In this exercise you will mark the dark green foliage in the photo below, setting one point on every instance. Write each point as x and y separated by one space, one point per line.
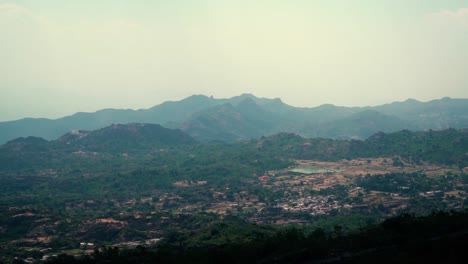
126 138
443 147
439 237
411 183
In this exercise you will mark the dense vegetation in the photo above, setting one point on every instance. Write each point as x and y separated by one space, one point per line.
440 237
444 147
127 185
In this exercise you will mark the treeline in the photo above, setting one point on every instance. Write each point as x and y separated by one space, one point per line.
442 147
447 147
440 237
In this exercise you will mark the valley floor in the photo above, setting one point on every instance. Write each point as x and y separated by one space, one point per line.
350 193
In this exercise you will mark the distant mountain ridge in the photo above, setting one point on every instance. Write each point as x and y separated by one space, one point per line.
247 116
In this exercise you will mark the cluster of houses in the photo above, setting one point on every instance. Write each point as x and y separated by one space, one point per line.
430 193
315 205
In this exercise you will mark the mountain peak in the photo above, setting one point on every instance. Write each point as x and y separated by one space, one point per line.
197 97
327 106
27 140
26 144
247 95
411 100
132 135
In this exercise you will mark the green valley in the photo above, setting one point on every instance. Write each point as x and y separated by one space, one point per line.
139 185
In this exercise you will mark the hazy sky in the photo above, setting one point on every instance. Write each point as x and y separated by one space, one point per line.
60 57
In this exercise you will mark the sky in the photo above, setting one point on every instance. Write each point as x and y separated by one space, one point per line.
65 56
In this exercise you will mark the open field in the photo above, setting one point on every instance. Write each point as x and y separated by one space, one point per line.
372 166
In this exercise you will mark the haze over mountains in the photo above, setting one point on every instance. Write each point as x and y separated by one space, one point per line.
246 116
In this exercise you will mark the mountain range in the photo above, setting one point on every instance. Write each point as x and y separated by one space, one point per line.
247 116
